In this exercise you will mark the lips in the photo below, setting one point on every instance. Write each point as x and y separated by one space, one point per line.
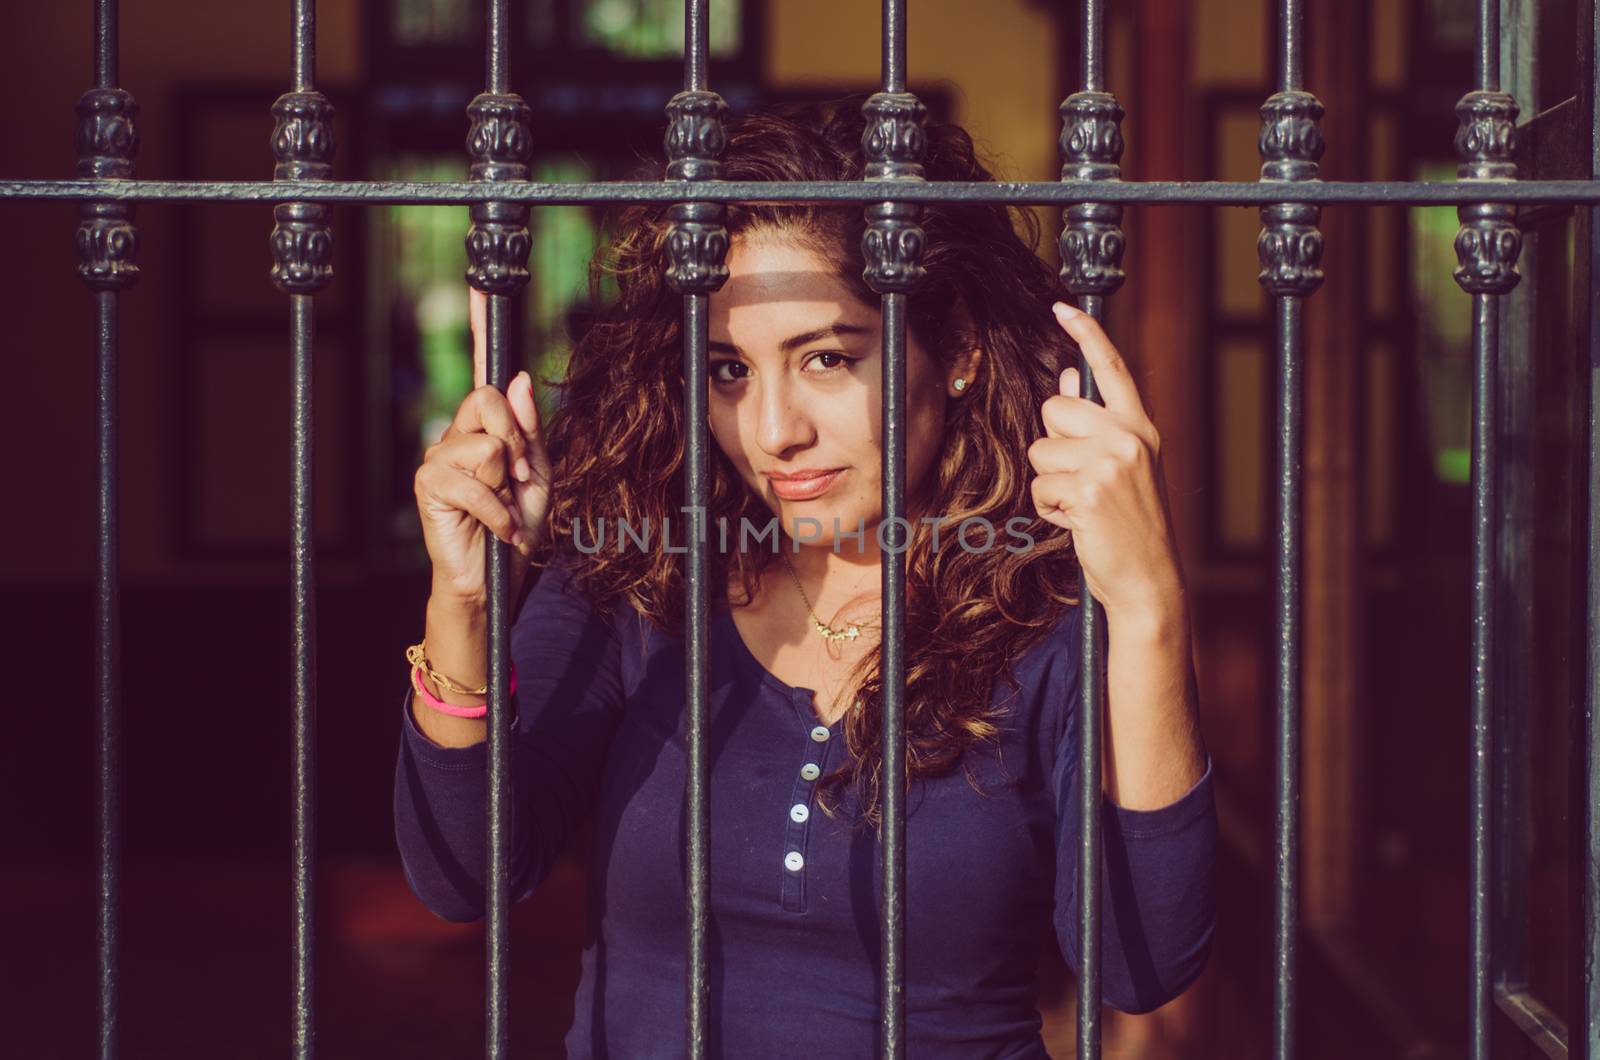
802 488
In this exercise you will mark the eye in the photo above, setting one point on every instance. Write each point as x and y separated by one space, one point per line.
839 359
717 366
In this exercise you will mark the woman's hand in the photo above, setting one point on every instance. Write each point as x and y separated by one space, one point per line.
1099 475
489 469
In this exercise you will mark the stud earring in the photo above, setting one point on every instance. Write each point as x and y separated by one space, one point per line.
960 385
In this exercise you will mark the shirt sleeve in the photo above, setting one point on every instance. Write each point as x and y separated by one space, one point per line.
1157 869
567 704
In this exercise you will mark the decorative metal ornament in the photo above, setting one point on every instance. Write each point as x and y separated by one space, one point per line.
1091 239
1488 243
107 139
893 143
302 241
1290 246
499 143
698 242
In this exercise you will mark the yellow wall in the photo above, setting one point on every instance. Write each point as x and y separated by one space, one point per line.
997 58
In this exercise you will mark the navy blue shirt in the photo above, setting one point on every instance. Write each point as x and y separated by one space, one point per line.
794 944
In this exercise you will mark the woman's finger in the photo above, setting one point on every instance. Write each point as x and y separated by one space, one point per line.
478 320
487 411
480 456
519 395
1075 417
1111 373
1050 455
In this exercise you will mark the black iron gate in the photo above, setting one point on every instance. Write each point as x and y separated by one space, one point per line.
1289 193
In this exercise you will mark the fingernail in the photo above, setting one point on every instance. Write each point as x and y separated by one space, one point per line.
516 539
1066 312
522 470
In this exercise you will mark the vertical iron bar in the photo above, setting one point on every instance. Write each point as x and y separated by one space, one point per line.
495 61
1487 246
304 626
1290 252
302 249
1585 1034
1484 325
1092 62
699 247
892 144
894 46
498 896
893 664
1290 407
1091 269
107 242
499 145
108 672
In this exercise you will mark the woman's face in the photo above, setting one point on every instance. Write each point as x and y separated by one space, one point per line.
795 385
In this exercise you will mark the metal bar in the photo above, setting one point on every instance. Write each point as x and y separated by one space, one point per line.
499 144
494 44
1286 607
1486 248
698 246
108 676
1093 60
107 141
303 605
1091 246
1484 326
697 790
303 624
893 836
497 966
894 46
302 250
1016 193
1290 252
891 247
1585 1031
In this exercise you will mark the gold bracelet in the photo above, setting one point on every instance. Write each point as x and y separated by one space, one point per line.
415 656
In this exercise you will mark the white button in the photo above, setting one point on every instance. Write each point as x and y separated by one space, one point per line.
798 812
820 734
809 771
793 861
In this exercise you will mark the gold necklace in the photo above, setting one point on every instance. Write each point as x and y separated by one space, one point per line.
850 632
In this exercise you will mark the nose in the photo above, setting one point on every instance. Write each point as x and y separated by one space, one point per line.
783 422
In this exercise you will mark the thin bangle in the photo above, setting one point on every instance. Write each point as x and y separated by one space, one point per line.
450 708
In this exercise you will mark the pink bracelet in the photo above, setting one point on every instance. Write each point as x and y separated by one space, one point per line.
450 708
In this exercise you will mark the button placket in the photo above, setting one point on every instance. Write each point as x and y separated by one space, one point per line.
814 754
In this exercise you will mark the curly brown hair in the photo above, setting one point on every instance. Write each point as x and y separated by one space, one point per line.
968 614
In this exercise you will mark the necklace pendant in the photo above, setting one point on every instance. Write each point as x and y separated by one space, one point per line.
850 633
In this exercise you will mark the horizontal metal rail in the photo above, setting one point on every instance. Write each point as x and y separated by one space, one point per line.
1020 193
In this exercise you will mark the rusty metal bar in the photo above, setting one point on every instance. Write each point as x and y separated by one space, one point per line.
499 145
891 246
1091 269
107 141
1290 252
1487 248
302 251
699 248
1016 193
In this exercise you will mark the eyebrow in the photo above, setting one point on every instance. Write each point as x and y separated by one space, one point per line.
794 342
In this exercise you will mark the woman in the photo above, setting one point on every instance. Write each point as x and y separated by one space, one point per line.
995 437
